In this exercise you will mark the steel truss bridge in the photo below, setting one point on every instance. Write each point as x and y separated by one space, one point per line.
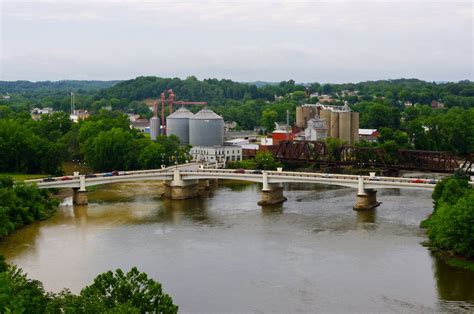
368 157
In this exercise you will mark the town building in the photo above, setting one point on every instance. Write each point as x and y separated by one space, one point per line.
36 113
216 153
79 115
341 122
140 124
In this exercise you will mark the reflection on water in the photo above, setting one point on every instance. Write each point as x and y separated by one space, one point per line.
222 251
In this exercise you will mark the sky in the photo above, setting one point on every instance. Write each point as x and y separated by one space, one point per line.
308 41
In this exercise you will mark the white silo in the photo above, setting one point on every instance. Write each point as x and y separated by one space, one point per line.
177 124
154 128
206 128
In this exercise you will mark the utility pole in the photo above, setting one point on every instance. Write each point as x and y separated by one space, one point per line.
287 124
72 103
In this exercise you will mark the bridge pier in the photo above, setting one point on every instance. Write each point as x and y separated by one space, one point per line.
79 196
203 185
178 189
272 193
366 198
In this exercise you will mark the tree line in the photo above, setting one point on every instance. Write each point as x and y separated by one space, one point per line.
41 146
105 142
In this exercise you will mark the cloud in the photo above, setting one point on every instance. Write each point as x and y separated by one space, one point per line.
242 40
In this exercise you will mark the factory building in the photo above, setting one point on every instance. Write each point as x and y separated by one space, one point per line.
316 130
339 121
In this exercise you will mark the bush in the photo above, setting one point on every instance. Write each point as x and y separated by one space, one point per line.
452 225
22 204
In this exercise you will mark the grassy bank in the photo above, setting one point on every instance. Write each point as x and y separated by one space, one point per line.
23 176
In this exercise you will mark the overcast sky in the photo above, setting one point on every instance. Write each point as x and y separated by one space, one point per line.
329 41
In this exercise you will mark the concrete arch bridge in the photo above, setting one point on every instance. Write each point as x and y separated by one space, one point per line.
184 181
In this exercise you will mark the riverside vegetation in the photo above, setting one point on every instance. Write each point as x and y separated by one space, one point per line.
451 226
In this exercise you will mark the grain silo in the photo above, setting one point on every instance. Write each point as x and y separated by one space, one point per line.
206 128
299 117
345 126
354 127
177 124
326 116
304 114
154 128
334 131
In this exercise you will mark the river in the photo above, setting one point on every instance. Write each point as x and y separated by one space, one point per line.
224 253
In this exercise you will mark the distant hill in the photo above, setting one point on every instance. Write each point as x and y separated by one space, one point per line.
73 85
261 83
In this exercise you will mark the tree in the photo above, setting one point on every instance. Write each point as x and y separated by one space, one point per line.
114 149
268 119
18 294
117 292
266 161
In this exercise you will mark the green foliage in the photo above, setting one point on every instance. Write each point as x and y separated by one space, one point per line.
263 161
268 119
18 294
23 150
242 164
452 225
266 161
22 204
334 146
133 289
110 292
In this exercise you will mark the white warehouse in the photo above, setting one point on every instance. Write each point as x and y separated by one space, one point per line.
216 153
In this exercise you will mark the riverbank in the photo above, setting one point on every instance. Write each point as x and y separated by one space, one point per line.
451 258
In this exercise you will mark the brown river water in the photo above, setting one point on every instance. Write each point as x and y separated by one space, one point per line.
224 253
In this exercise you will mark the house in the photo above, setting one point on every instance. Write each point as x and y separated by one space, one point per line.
369 135
140 124
436 104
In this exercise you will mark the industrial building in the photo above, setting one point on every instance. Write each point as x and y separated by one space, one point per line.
340 121
316 130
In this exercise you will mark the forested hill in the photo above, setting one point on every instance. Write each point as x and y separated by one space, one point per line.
66 85
210 90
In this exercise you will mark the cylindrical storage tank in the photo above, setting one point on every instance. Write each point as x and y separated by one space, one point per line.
154 128
206 128
308 113
177 124
334 124
326 116
299 117
354 127
345 126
